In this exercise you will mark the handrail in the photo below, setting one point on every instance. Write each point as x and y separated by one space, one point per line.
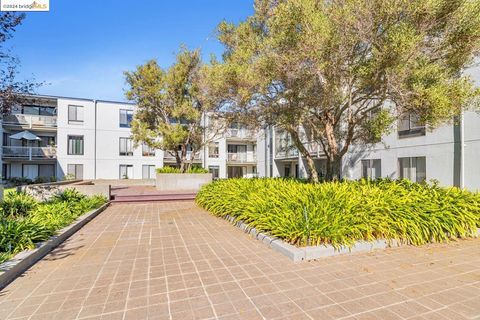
29 153
30 120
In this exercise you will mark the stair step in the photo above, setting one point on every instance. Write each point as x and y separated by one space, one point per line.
154 197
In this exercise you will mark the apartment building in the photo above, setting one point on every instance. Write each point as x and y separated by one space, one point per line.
91 139
449 154
86 139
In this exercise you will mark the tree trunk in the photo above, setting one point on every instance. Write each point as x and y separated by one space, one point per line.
183 159
312 170
334 167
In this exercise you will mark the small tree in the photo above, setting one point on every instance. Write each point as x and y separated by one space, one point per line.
345 70
169 113
11 89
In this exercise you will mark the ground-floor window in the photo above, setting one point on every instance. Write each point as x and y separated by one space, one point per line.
5 171
371 168
236 172
75 171
215 171
34 171
413 168
287 171
148 172
126 171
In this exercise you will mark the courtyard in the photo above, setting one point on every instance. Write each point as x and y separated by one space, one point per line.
173 260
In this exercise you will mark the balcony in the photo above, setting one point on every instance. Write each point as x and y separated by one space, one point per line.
240 134
29 153
242 157
30 121
170 158
285 154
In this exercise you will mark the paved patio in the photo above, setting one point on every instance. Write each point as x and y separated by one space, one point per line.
175 261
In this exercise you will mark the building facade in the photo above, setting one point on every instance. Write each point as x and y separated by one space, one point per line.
57 137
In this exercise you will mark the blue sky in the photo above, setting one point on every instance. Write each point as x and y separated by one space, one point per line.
81 48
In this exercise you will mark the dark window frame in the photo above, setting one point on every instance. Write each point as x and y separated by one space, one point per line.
75 121
128 114
68 145
127 153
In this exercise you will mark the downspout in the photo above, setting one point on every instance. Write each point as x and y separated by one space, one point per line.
462 150
204 141
95 144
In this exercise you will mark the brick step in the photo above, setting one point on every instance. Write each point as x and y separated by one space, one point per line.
153 197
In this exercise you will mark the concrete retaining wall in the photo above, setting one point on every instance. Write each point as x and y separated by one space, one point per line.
44 192
125 182
182 181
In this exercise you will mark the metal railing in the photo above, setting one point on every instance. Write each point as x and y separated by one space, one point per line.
30 153
168 156
28 120
240 134
289 153
242 157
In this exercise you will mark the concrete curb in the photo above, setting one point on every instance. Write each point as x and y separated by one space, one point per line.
314 252
11 269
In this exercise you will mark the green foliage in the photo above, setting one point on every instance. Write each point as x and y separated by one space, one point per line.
69 195
169 112
34 222
340 213
17 204
325 65
176 170
19 235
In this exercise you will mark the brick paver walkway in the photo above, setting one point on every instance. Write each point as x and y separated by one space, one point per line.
174 261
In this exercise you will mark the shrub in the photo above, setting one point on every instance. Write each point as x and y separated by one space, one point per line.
18 232
341 213
18 204
19 235
68 195
176 170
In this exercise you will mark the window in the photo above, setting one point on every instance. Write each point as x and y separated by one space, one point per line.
237 148
371 168
75 170
147 151
126 171
5 171
409 125
46 170
126 117
215 171
148 172
75 114
236 172
75 145
414 168
126 147
213 150
287 171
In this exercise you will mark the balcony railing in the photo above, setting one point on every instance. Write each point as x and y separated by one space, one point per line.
30 121
240 134
242 157
168 156
29 153
289 153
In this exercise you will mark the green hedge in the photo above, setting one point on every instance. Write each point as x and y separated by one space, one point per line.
24 221
340 213
176 170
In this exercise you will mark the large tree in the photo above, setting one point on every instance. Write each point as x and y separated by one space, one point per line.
344 70
169 113
11 89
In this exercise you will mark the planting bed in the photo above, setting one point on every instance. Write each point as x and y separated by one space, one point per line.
24 222
344 214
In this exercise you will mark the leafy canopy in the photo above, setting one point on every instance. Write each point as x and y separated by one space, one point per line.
344 70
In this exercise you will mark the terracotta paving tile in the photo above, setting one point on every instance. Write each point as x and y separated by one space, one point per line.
172 260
